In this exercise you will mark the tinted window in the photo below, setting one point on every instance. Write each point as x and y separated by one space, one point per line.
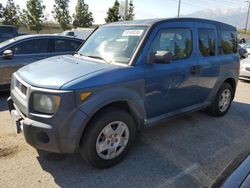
178 42
207 40
31 47
228 42
62 45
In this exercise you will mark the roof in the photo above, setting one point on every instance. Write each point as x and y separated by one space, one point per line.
151 22
43 36
37 36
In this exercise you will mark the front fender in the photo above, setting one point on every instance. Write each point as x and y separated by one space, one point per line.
131 92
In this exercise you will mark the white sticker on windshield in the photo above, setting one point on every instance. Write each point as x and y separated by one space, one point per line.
132 33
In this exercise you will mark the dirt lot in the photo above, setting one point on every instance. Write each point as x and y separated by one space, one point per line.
185 152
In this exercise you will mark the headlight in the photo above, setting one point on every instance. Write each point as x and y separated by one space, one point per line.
45 103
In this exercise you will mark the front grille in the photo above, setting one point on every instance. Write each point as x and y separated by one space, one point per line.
248 68
20 87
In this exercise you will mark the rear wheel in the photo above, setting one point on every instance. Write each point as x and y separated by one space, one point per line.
108 138
222 101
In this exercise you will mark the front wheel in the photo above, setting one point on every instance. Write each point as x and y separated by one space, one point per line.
222 101
108 138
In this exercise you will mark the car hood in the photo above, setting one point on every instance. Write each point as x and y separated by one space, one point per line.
53 73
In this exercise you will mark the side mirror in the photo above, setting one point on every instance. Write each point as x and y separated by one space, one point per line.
7 54
161 57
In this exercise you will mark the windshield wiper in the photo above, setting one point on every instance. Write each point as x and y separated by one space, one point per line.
97 57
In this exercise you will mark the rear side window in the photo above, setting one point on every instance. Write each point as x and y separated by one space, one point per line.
228 42
34 46
62 45
176 41
207 40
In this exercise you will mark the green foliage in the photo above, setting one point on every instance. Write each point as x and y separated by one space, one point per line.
34 15
82 17
24 20
11 14
113 14
61 13
130 15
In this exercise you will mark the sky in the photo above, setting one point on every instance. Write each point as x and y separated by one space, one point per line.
144 8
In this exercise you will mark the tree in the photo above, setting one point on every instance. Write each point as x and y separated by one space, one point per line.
34 14
24 18
11 14
130 15
113 14
1 10
61 13
83 17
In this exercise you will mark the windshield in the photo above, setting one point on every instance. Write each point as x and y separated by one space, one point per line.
113 44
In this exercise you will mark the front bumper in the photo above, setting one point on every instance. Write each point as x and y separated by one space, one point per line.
60 133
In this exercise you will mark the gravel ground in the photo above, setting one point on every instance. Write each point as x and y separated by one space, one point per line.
186 152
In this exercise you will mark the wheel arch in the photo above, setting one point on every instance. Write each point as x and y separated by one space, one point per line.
123 105
125 98
230 79
232 82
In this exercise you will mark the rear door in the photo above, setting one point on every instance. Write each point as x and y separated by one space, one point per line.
65 46
209 63
24 52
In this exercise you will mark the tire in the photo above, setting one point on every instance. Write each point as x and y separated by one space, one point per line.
102 132
219 108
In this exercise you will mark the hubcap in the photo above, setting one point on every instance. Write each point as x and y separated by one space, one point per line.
112 140
225 100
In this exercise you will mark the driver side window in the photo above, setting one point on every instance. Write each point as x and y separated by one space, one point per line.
176 42
34 46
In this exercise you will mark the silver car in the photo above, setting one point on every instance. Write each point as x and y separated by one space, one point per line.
245 69
22 50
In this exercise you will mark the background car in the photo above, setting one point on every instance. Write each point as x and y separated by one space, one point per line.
81 33
242 41
22 50
242 52
68 33
245 69
236 174
247 46
7 32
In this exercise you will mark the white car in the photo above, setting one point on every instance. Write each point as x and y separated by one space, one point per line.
247 46
245 69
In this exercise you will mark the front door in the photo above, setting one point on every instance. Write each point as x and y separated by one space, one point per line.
172 86
24 53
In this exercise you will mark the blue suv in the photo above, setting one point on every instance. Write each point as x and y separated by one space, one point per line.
126 76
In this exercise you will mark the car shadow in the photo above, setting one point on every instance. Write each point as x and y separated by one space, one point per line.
3 100
185 152
143 167
245 81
